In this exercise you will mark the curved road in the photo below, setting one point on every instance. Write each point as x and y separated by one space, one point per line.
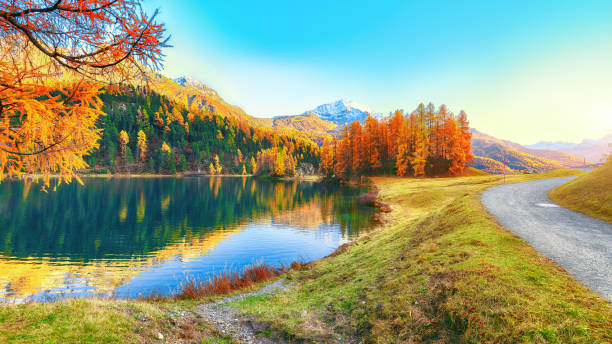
579 243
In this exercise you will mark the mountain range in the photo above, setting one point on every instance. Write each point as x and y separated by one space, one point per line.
491 154
593 150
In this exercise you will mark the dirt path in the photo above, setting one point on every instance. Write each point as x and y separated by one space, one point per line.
579 243
231 322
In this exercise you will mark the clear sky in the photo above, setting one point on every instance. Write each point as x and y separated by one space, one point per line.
522 70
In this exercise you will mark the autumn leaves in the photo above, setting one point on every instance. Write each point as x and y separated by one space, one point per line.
426 142
55 57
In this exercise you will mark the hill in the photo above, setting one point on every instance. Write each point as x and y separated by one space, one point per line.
146 131
194 94
443 271
492 154
593 150
311 125
590 193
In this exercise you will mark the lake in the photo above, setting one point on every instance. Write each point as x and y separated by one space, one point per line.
131 237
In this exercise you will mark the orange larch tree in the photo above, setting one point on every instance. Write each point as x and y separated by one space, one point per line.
326 166
394 131
343 162
427 142
55 56
453 146
466 139
359 159
371 142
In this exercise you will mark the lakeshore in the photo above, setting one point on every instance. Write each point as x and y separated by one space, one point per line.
440 264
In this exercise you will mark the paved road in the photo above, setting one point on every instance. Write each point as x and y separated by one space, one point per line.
579 243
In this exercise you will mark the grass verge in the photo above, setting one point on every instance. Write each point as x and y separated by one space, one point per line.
441 271
104 321
590 194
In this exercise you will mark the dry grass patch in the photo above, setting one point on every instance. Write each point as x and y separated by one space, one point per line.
590 194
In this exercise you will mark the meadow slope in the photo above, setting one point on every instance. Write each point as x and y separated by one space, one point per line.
441 271
590 194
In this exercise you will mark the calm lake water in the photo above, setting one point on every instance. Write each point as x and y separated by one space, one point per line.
130 237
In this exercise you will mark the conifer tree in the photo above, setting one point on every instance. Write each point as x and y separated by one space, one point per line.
218 166
358 151
342 156
372 143
326 166
403 159
124 139
142 145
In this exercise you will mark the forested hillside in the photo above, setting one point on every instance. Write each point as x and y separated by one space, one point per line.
144 131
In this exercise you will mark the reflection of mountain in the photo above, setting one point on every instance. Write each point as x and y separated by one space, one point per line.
114 228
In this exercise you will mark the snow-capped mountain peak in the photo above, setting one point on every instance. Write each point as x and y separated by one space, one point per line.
343 112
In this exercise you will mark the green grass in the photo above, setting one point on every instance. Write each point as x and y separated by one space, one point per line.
441 271
102 321
590 194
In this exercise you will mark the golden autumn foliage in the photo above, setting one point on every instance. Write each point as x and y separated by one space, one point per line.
427 142
276 161
142 145
165 148
218 166
124 139
55 56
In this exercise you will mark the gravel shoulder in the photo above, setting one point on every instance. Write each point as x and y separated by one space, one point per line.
579 243
231 322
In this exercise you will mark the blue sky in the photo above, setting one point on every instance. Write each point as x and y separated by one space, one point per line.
522 70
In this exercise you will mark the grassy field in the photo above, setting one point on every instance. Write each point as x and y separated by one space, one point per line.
105 321
441 271
590 194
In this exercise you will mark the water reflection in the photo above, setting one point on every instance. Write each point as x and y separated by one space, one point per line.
133 236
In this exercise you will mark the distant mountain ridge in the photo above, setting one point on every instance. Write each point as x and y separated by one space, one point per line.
493 155
593 150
